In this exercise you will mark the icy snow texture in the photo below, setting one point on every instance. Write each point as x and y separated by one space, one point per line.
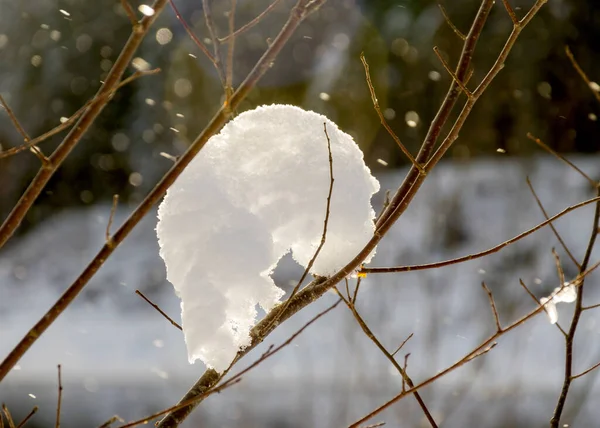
567 293
256 191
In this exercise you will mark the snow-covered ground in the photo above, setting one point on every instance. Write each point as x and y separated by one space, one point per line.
119 356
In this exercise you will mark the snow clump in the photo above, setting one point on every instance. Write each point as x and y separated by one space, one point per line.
257 190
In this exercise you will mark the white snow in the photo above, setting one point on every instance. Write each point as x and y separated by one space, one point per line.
256 191
567 293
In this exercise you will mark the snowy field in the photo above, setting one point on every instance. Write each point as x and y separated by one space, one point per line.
120 357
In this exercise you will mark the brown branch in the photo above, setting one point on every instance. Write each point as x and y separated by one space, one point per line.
583 373
382 118
250 24
113 209
569 341
67 123
59 403
405 378
511 13
210 25
111 421
482 253
451 24
14 120
84 123
535 299
543 145
297 15
232 381
160 311
455 78
230 50
29 416
487 345
402 344
190 33
493 307
582 73
323 234
541 206
9 419
129 12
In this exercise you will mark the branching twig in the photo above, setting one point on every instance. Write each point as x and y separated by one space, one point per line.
583 373
535 299
569 345
297 15
9 419
160 311
382 118
250 24
451 24
129 12
210 25
582 73
482 253
493 307
405 378
562 243
190 33
402 344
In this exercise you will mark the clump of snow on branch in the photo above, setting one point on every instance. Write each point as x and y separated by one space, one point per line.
567 293
256 191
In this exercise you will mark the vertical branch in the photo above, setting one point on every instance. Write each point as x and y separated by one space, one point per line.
58 404
230 48
210 25
568 376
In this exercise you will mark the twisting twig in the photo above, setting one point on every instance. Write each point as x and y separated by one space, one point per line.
582 73
569 341
549 149
451 24
71 120
59 402
250 24
298 14
405 378
493 307
160 311
382 118
323 234
482 253
562 243
29 416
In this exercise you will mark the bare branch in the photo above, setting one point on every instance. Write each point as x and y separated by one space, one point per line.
540 143
582 73
382 118
190 33
160 311
250 24
511 13
112 420
451 24
452 74
535 299
113 209
583 373
29 416
402 344
129 12
493 307
59 402
9 419
562 243
482 253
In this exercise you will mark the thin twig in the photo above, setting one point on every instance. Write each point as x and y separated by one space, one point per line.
493 307
570 339
582 73
543 145
129 12
113 209
402 344
233 380
112 420
511 12
451 24
483 348
190 32
535 299
160 311
382 117
452 74
323 234
487 252
71 120
230 50
9 419
583 373
250 24
21 130
210 25
562 243
59 402
29 416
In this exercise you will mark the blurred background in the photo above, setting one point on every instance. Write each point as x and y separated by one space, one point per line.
120 357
